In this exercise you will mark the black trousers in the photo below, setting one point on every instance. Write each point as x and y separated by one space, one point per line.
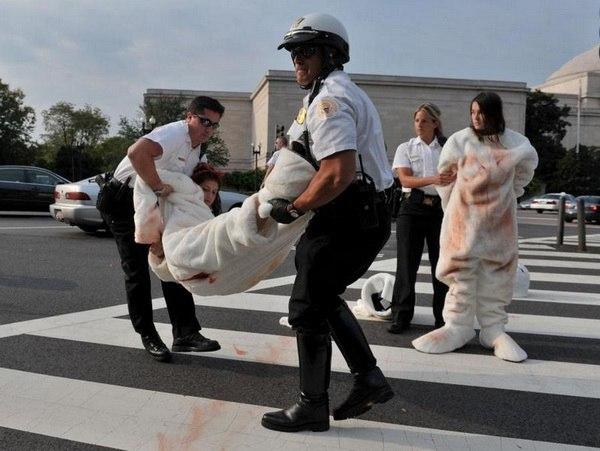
134 261
335 251
415 226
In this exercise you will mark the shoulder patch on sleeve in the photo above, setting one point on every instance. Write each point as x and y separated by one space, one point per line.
327 107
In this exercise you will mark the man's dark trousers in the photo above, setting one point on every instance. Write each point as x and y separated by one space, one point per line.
134 261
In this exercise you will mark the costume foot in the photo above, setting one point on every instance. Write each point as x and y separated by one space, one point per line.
503 345
445 339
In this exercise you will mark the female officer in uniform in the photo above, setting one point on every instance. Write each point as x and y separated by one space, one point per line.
420 215
339 130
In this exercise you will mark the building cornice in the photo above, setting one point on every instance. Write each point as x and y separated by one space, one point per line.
406 81
189 93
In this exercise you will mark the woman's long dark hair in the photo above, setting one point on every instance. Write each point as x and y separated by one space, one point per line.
490 105
203 172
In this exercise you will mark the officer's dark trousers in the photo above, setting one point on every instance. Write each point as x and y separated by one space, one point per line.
134 261
334 252
415 226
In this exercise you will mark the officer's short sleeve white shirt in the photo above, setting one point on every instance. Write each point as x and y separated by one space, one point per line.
342 117
178 154
421 158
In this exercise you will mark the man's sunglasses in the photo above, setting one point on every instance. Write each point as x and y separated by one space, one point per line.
206 122
303 52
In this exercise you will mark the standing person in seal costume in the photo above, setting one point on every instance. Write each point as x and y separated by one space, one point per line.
339 130
478 242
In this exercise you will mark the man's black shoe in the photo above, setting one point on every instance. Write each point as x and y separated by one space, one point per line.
195 342
398 328
306 415
156 348
369 388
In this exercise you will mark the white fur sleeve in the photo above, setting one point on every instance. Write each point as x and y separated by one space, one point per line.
525 169
449 157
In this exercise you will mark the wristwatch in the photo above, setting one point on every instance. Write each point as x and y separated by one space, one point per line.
293 211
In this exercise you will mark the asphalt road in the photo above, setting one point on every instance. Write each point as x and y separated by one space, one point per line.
48 269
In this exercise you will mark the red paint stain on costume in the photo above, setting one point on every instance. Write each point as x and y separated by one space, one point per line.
201 276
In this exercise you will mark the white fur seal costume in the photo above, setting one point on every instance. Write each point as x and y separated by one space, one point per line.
225 254
478 240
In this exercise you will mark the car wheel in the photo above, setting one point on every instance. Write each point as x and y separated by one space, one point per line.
540 211
569 219
88 229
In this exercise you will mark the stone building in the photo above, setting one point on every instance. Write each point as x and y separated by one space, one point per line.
251 118
577 84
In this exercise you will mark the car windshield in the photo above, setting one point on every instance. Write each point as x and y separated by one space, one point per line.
594 199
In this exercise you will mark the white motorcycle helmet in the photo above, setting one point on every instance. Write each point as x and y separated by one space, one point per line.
521 287
319 29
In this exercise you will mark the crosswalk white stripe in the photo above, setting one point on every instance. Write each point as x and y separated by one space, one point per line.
133 418
559 378
562 297
389 265
560 254
533 324
535 246
573 256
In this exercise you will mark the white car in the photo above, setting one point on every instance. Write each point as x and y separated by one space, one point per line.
75 204
549 202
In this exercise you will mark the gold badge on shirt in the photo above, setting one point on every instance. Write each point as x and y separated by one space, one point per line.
301 116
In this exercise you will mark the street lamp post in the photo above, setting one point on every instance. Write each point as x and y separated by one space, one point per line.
151 123
256 153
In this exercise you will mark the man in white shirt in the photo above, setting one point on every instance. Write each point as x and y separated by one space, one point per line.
175 147
281 142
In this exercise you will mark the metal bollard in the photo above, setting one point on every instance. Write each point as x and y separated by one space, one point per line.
560 233
581 246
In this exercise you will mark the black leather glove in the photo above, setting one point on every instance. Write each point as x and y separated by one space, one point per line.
283 211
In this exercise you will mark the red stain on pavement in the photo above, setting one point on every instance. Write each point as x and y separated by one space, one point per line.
194 429
239 351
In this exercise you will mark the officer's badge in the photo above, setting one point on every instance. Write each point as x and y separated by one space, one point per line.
327 107
301 116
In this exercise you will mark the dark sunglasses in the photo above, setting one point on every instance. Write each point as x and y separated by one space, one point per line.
206 122
303 52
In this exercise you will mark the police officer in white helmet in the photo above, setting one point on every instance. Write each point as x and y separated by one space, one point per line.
339 131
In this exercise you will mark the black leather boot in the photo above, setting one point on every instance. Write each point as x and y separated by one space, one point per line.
370 386
311 411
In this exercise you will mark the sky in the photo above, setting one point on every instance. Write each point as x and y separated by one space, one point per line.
107 53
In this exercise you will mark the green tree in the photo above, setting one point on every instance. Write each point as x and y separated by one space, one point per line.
70 127
164 109
577 173
72 134
109 153
545 126
16 125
